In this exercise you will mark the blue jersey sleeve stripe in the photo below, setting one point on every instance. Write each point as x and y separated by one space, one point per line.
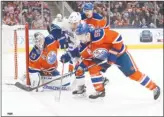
82 48
34 56
118 39
119 51
122 48
32 70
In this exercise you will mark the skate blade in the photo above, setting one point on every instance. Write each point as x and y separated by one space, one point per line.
77 96
97 100
159 98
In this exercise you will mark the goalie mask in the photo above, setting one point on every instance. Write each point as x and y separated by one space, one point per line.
39 40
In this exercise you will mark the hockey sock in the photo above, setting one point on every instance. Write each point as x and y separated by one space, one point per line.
143 79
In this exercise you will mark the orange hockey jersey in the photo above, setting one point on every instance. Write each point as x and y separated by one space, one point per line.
103 41
46 59
96 21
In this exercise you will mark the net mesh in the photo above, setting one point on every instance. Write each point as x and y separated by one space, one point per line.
13 52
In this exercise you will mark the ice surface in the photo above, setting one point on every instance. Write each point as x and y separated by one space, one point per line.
123 96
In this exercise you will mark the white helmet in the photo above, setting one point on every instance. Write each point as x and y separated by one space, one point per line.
75 17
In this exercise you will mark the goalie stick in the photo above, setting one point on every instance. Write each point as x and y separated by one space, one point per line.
27 88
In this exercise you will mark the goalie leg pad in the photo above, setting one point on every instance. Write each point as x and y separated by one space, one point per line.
34 79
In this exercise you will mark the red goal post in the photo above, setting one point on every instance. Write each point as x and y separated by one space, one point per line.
12 52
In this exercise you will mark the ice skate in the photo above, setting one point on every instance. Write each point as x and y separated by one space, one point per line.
97 94
156 93
81 91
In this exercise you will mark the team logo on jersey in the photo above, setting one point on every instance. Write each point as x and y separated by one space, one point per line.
51 57
33 55
100 53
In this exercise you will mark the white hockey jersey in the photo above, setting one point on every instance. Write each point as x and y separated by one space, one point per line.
73 42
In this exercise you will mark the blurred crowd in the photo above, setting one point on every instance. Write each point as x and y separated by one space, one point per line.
17 12
128 14
121 14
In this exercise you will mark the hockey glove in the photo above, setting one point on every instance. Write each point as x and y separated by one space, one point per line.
63 40
70 69
65 58
80 69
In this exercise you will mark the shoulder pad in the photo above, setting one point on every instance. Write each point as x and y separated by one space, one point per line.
34 54
97 16
97 34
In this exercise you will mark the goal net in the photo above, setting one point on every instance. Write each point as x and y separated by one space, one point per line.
15 52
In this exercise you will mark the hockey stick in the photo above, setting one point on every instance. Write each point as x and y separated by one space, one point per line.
26 88
61 83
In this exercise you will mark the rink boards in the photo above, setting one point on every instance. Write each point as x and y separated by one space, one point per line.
131 38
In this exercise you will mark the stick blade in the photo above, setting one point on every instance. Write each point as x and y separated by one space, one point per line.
23 87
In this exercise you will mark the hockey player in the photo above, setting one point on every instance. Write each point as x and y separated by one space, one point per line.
43 56
94 19
58 18
74 19
105 44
